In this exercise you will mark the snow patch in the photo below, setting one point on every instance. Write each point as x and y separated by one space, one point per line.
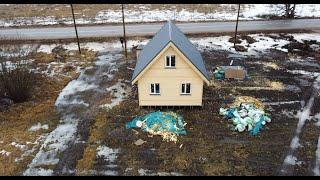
38 126
72 88
317 116
292 160
281 103
107 153
295 143
118 93
316 169
38 172
143 13
20 146
146 172
56 142
4 153
304 73
46 48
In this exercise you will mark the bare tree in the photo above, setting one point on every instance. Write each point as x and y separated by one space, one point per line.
289 10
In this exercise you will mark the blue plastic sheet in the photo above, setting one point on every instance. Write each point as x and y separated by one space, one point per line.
159 122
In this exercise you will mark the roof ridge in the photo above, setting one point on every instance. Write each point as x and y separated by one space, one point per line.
170 30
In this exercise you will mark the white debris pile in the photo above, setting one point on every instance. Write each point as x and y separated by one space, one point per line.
246 113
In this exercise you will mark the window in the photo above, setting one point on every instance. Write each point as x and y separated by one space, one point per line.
155 88
170 61
185 88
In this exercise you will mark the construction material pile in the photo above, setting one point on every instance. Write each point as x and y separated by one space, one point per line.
166 124
219 73
246 113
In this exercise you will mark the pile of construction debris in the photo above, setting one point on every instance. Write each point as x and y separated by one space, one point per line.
166 124
246 113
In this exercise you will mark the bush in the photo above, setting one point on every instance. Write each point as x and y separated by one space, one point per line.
16 82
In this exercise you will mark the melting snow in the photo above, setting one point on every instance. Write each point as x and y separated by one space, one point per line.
303 116
20 146
295 143
46 48
316 169
107 153
5 153
146 172
305 73
54 143
317 116
263 44
73 87
292 160
143 13
118 93
38 126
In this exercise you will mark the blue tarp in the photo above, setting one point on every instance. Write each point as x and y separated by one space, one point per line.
159 122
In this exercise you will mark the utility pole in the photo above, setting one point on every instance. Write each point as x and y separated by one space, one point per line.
124 33
235 34
75 27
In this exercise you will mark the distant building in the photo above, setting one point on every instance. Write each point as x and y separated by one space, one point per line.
170 70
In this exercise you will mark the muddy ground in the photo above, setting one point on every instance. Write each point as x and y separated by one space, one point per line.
211 147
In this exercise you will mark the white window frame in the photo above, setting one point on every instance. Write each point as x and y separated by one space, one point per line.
184 92
170 61
155 91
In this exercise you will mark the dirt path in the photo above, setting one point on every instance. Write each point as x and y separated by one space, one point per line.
77 104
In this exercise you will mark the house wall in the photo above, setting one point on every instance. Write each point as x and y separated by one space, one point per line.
170 83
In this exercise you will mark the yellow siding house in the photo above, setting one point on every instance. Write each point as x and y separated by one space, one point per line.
170 70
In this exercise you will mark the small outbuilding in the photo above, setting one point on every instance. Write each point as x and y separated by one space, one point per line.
170 70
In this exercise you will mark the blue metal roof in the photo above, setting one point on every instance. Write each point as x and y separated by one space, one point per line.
169 33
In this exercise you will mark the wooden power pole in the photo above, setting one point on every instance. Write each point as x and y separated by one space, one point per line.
235 33
75 27
124 33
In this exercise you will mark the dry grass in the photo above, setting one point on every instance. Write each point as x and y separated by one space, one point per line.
91 10
20 117
16 121
86 164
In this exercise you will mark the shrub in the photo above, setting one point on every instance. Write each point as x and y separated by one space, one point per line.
16 81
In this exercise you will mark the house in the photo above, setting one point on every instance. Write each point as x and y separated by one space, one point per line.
170 70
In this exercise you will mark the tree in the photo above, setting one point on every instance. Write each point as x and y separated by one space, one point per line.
289 10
